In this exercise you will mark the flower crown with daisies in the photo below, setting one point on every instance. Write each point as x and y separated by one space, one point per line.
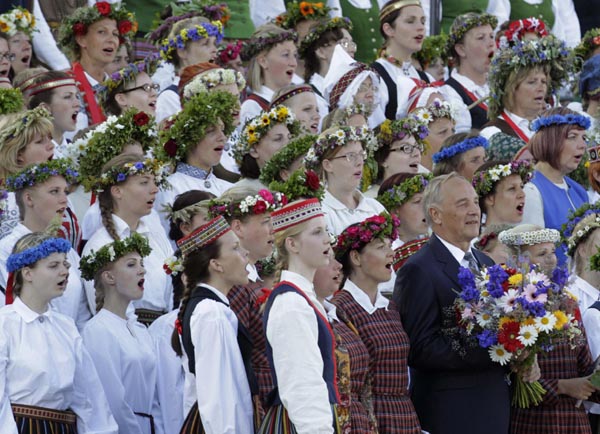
317 31
30 256
529 238
459 148
571 119
257 45
127 74
358 235
91 263
589 42
203 111
400 194
485 180
261 203
340 137
11 101
302 184
258 126
579 225
463 23
436 110
116 175
195 33
12 130
16 20
212 78
284 158
390 131
517 29
78 22
39 173
296 12
98 146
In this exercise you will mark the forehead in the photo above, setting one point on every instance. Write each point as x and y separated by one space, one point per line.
457 189
105 23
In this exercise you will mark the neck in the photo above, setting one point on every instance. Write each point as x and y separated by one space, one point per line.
298 266
405 235
366 284
33 301
468 71
323 68
57 135
550 172
95 69
218 282
115 303
591 277
268 82
132 220
197 162
399 53
527 114
343 193
34 224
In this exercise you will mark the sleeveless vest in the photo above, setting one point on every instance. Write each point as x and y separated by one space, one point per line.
365 30
263 103
326 342
243 337
520 10
453 8
478 114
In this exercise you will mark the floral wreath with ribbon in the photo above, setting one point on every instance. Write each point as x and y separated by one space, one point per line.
195 33
284 158
517 29
212 78
459 148
579 225
297 12
17 127
400 194
261 203
358 235
116 175
11 101
256 45
40 173
485 180
317 31
16 20
78 22
302 184
91 263
391 131
256 128
571 119
342 136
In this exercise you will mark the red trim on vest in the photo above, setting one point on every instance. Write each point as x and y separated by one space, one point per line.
89 96
263 103
474 97
514 126
10 283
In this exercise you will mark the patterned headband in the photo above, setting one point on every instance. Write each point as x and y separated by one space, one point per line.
292 93
343 83
296 213
204 235
386 11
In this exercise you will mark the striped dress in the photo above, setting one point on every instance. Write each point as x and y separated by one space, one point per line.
388 347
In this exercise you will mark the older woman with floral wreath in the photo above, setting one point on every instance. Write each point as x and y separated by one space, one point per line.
521 78
91 37
558 146
440 116
340 154
462 153
19 25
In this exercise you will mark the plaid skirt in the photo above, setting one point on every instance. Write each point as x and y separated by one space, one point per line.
39 420
277 421
193 424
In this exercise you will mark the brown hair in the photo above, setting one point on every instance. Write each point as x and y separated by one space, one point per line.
26 242
516 78
454 163
311 61
184 200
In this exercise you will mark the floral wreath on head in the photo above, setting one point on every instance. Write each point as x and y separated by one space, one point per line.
283 158
91 263
436 110
17 127
78 22
41 172
261 203
11 101
302 184
579 225
529 238
354 237
589 42
116 175
400 194
297 12
16 20
485 180
266 267
228 52
547 52
256 128
463 23
256 45
571 119
342 136
127 74
459 148
195 33
518 28
202 111
30 256
317 31
212 78
90 152
433 47
390 131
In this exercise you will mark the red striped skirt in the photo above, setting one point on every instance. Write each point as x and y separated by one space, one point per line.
277 421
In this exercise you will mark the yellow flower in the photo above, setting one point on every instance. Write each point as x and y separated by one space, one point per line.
515 279
528 321
184 35
587 164
503 321
265 120
561 319
4 28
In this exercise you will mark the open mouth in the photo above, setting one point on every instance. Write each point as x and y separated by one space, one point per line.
327 251
109 51
150 202
4 72
25 59
61 211
152 104
520 208
314 128
141 284
490 54
388 265
290 73
63 283
219 149
414 166
419 38
74 117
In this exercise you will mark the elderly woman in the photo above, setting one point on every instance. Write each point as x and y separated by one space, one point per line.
521 78
441 125
462 153
558 146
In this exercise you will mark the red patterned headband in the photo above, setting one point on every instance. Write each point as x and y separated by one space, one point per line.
292 93
341 86
204 235
295 213
29 88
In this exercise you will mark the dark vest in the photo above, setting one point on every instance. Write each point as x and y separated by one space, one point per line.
263 103
478 114
243 337
326 343
503 126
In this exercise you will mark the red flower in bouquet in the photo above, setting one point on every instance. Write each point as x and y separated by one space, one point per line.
312 180
141 119
103 8
508 336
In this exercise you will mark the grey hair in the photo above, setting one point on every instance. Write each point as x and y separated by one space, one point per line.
432 195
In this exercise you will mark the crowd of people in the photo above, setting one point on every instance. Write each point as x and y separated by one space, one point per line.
258 217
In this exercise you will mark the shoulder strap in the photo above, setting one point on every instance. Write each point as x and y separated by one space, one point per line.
263 103
423 75
502 126
392 105
172 88
596 305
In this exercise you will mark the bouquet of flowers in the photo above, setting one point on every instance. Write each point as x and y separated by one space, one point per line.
516 314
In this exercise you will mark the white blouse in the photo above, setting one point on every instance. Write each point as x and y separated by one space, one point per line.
338 216
158 287
123 353
292 331
168 103
44 363
251 109
463 117
222 389
73 302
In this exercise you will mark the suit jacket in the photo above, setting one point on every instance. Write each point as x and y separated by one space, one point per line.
452 392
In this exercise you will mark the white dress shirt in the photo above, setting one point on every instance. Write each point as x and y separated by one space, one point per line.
170 373
338 216
292 332
44 45
158 287
456 252
463 117
167 103
520 122
10 217
123 353
44 363
363 299
250 109
222 389
73 302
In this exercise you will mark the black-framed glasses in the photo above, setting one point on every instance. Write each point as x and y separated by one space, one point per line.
146 87
8 56
409 149
352 157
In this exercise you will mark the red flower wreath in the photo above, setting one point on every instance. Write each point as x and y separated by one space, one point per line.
124 27
141 119
79 29
103 8
171 148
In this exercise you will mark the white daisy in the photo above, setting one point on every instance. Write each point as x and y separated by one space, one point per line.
545 323
507 301
499 355
527 335
483 318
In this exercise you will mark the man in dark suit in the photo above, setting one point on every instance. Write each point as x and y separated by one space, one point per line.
455 389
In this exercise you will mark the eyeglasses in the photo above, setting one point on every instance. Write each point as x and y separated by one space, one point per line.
146 87
352 157
408 149
346 44
8 56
